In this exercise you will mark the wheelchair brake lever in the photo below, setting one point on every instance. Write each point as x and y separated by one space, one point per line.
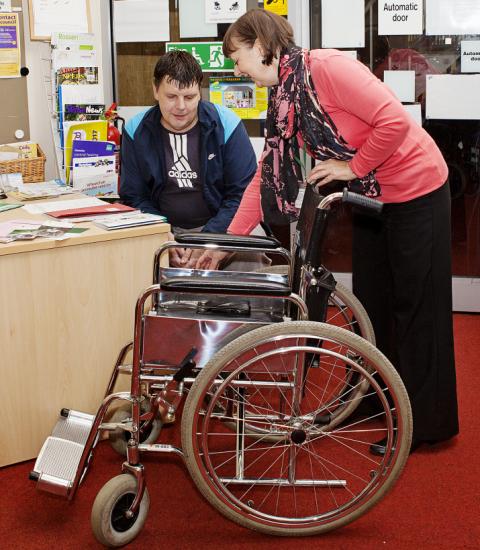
186 366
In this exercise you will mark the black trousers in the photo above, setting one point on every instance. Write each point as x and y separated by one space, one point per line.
402 275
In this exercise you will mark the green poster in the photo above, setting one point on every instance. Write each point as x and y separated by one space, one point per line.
208 54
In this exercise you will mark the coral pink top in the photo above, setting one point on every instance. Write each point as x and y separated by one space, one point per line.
370 118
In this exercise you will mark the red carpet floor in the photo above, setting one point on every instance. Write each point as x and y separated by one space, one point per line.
435 504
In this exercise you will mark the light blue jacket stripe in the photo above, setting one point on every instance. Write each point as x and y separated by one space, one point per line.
229 120
133 123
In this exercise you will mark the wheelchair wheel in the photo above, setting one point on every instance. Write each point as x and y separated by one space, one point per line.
119 438
299 478
344 308
346 311
109 524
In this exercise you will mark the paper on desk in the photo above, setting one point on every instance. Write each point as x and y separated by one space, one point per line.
5 206
13 225
21 230
54 206
45 189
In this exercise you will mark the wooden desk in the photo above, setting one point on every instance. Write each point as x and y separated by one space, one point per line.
67 307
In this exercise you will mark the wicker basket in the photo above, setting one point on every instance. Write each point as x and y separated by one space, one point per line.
32 170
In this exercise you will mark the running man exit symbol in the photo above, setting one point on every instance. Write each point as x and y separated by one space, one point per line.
217 59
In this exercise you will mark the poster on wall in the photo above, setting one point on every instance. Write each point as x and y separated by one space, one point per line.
470 56
403 18
453 96
280 7
343 24
452 17
6 5
402 84
415 111
48 16
141 21
224 11
209 55
191 15
241 95
9 46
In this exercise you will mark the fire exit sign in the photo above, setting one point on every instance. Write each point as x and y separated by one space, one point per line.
208 54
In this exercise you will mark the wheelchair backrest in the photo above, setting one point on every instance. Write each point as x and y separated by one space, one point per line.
309 234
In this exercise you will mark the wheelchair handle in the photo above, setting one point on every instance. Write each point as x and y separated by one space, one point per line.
366 203
355 199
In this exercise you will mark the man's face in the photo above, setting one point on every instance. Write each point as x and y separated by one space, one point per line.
177 105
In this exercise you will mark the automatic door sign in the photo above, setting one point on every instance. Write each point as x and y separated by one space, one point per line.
396 18
470 56
209 55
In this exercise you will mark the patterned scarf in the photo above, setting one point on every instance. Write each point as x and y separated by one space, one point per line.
293 107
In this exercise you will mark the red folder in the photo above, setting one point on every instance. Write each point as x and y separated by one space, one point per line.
106 208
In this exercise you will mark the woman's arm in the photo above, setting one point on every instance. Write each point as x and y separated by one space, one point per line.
248 216
249 213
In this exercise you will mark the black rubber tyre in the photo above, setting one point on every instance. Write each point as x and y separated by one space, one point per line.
109 525
344 308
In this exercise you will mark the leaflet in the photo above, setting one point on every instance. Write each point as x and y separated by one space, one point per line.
94 175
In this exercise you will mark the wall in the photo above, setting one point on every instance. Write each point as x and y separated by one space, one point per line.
37 55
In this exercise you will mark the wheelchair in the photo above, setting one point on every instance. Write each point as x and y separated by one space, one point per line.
274 431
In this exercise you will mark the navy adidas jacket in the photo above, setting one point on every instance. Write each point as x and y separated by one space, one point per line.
227 161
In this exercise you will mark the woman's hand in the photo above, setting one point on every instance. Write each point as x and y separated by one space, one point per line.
175 254
326 171
211 259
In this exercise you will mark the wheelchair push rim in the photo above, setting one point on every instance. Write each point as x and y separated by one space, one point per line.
310 479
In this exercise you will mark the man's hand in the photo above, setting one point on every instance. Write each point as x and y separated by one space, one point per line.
190 257
210 259
330 170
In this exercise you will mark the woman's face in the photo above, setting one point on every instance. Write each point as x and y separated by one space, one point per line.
248 63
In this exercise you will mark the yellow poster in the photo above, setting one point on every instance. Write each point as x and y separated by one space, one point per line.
280 7
241 95
9 45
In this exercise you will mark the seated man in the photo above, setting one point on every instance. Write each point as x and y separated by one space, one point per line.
186 159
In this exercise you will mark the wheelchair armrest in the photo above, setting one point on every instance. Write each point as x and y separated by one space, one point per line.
221 239
227 285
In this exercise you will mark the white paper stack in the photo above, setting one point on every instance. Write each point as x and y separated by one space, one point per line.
129 219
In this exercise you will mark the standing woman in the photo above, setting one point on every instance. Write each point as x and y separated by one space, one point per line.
358 132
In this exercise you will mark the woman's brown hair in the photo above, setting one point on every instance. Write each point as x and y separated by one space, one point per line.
273 32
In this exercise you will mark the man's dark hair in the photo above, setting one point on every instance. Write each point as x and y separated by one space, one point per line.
178 66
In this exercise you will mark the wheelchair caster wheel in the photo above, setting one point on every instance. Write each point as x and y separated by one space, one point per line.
109 523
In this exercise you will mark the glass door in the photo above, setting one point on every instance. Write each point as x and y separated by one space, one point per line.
459 141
